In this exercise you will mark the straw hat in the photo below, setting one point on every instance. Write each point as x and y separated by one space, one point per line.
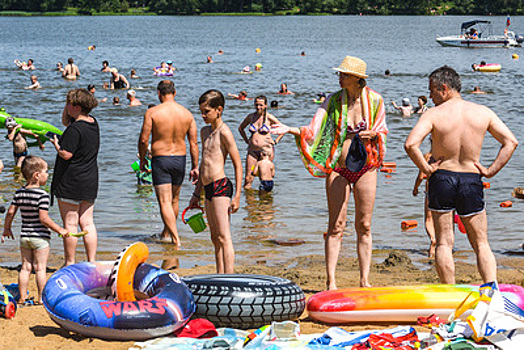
353 65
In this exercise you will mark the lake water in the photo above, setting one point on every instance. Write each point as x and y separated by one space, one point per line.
297 207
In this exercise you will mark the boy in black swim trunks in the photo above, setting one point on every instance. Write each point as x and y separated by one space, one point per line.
221 200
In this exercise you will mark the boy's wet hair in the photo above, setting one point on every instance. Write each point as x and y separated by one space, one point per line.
83 98
166 87
213 98
266 151
446 75
31 165
423 98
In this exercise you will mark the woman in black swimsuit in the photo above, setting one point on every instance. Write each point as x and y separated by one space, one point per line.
259 126
118 81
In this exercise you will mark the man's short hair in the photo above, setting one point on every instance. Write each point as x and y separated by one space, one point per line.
213 98
446 75
261 97
166 87
31 165
82 98
70 60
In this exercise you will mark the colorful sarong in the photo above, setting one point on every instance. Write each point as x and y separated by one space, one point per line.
320 143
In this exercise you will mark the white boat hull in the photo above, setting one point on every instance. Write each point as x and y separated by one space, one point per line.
487 42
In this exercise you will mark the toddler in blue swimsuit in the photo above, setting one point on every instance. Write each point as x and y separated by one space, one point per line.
265 170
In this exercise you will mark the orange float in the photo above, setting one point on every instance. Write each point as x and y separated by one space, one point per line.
408 224
123 272
506 204
387 170
486 184
389 164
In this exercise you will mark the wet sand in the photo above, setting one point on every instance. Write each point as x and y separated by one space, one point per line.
33 329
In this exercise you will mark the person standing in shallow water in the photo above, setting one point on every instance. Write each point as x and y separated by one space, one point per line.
259 125
169 124
325 150
457 129
75 177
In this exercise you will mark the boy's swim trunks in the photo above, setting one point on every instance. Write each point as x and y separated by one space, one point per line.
168 169
449 190
266 185
219 188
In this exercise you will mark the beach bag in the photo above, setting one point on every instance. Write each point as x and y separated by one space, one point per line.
357 155
497 319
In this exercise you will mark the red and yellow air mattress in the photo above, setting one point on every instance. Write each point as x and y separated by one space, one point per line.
396 304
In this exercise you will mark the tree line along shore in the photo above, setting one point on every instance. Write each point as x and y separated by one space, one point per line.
259 7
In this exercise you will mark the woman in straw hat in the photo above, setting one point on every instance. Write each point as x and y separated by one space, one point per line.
324 146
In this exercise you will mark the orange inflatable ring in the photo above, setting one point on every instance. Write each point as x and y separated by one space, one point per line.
123 272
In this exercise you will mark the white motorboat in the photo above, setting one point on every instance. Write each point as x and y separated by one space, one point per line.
483 37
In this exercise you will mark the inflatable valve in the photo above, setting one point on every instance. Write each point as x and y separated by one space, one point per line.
387 170
459 224
506 204
486 184
389 164
407 224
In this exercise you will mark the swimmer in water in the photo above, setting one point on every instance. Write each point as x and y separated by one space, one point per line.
133 74
71 71
477 90
242 95
34 83
133 101
105 67
422 105
284 90
406 107
25 66
210 59
59 67
116 101
91 88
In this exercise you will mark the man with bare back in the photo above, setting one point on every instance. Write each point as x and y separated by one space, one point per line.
457 130
169 124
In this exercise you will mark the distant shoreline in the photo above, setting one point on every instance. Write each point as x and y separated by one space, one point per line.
206 14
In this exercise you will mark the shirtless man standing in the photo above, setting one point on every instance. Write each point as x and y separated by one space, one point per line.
169 123
71 70
457 129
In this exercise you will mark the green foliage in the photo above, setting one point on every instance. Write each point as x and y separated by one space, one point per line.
279 7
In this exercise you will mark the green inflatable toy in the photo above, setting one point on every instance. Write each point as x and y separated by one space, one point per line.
43 130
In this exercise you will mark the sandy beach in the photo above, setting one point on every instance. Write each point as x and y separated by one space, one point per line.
33 329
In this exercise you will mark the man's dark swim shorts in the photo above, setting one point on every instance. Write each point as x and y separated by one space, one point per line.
168 170
449 190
